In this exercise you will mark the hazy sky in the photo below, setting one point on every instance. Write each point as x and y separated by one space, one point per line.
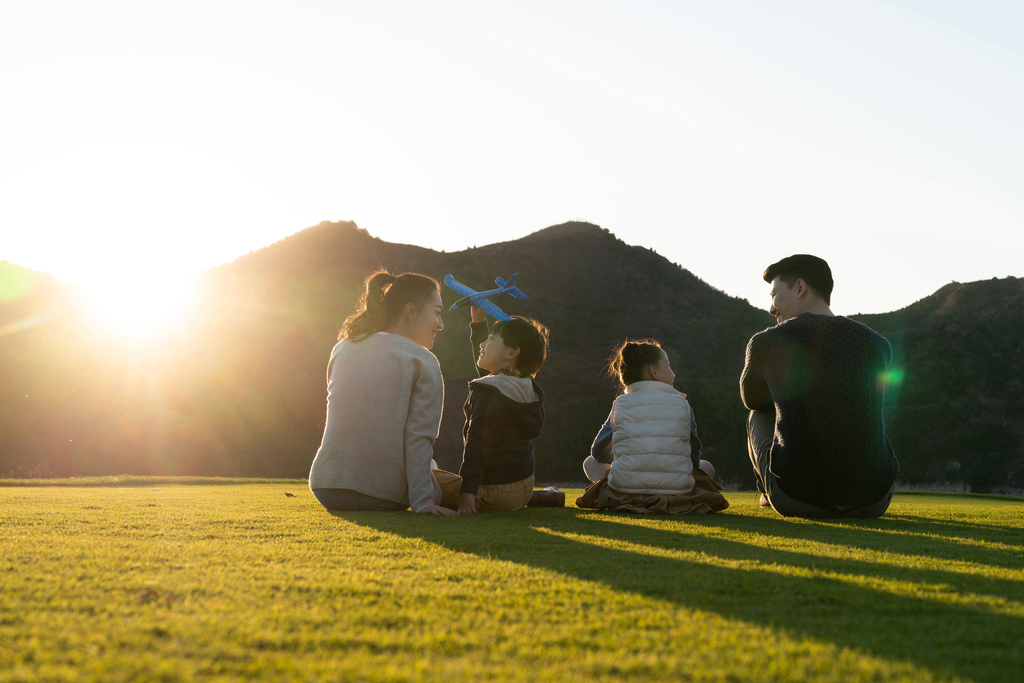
142 142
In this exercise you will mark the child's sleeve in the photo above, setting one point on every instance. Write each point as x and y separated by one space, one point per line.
479 442
601 450
478 333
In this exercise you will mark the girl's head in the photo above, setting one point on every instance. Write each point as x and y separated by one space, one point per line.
639 360
520 344
408 304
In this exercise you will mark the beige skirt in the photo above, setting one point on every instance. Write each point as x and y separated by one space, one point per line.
703 499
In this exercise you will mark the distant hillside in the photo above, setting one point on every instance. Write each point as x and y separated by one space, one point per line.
957 415
590 288
244 392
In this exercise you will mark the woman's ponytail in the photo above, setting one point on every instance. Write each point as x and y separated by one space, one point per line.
631 357
383 302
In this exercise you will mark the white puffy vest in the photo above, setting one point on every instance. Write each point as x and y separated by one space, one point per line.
651 441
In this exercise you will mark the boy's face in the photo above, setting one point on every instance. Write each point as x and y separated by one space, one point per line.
494 355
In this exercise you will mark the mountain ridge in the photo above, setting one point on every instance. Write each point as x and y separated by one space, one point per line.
245 393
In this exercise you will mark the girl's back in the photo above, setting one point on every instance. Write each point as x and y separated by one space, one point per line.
651 440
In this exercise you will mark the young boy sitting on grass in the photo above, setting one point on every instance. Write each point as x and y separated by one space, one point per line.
504 414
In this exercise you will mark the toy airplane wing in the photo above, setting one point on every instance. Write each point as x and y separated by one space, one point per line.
509 286
458 287
489 308
471 296
511 282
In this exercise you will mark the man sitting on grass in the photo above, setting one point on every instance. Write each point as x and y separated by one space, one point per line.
815 385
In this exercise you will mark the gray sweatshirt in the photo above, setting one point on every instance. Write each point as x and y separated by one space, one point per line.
384 400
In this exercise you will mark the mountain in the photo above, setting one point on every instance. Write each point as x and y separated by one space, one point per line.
588 287
956 408
243 391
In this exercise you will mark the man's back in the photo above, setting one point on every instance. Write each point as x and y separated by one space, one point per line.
823 376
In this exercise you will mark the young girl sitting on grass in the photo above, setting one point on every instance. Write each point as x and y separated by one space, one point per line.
646 458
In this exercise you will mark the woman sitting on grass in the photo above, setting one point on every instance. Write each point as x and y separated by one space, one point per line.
384 399
646 458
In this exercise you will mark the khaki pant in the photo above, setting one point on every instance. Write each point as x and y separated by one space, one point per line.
450 484
504 496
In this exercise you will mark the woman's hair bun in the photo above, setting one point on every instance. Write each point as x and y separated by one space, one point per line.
630 350
378 283
383 301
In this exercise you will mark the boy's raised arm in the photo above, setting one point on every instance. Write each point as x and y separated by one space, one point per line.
478 335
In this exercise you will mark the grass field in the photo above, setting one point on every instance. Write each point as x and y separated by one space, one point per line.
162 581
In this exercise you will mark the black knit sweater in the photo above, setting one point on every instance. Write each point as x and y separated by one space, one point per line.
824 378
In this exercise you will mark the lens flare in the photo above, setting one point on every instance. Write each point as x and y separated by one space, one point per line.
28 322
15 282
143 310
894 375
891 378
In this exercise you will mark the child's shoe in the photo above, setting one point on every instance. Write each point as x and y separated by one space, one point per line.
550 497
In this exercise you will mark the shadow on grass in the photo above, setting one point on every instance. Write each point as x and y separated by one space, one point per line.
992 533
968 640
901 549
900 534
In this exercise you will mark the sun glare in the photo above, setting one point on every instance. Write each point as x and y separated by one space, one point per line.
146 311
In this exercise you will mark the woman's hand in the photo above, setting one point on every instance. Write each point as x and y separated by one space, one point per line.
477 314
436 510
467 503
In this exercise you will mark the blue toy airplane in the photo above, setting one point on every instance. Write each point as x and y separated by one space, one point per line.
482 299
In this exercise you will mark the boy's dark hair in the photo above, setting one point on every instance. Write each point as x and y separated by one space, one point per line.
631 357
811 269
527 335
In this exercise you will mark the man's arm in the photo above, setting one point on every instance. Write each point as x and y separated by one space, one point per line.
887 354
754 389
695 444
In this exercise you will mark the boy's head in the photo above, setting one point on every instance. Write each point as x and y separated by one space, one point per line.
520 344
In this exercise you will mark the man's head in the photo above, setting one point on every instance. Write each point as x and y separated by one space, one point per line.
800 283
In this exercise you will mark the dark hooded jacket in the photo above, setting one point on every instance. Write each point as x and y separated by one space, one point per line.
502 420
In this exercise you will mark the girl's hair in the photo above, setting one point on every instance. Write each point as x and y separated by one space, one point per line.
383 302
631 357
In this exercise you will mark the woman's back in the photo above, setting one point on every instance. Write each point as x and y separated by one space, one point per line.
385 395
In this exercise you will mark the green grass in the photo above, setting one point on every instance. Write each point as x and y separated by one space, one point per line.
136 480
197 582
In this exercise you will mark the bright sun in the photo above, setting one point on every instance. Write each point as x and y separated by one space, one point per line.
148 310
